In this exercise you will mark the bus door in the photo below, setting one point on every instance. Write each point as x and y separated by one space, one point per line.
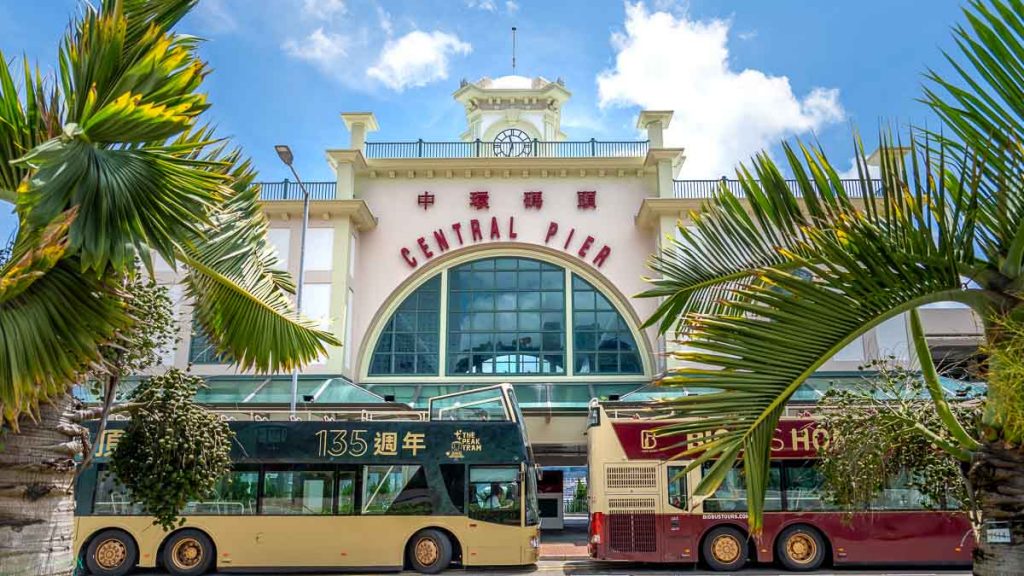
677 525
495 504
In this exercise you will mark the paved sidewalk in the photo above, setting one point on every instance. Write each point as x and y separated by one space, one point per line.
567 544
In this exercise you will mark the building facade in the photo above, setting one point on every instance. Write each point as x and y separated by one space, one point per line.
512 254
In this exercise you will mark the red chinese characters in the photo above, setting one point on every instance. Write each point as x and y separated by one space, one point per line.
533 199
426 200
479 200
586 199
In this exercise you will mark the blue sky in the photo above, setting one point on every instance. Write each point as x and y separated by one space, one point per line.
740 75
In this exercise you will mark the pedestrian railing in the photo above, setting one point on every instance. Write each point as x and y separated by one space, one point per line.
854 188
506 149
287 190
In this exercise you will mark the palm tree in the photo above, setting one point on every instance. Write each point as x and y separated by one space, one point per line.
108 164
766 290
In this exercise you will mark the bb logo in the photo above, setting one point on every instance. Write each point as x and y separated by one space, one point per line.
648 441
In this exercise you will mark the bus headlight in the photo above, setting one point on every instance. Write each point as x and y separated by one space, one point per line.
534 542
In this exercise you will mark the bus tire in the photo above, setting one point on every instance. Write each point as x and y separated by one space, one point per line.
187 553
111 553
430 551
724 549
800 548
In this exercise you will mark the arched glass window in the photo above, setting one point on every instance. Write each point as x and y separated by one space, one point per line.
602 341
409 342
506 316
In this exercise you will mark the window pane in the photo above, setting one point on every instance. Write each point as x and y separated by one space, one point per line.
803 487
395 490
235 493
494 495
409 342
677 487
346 493
900 495
113 498
598 327
307 492
731 495
455 479
505 317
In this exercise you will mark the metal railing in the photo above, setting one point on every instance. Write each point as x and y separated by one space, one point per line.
288 190
523 149
707 188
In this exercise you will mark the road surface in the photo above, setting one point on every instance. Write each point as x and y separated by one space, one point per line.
587 568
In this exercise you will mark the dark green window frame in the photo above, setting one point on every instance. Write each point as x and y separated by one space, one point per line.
409 343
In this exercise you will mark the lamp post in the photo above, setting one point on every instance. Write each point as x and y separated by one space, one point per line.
285 154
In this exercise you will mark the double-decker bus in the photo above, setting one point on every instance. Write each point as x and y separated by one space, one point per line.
642 507
455 485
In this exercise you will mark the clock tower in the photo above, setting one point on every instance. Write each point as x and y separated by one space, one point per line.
511 112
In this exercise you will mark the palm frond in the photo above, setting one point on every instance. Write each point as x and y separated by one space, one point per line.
53 320
241 298
836 278
983 106
729 239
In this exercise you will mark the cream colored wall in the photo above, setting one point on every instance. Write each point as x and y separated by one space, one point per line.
381 269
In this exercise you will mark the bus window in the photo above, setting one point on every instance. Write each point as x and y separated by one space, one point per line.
486 404
396 490
455 479
307 492
113 498
731 495
677 487
532 511
899 494
234 494
346 493
803 488
494 494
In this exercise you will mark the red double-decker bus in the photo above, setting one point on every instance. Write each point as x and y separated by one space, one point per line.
642 507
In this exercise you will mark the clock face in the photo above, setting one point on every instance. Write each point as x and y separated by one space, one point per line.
512 142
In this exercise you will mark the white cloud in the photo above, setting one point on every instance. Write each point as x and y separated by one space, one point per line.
417 59
215 17
488 5
321 48
851 173
511 7
323 9
722 116
384 17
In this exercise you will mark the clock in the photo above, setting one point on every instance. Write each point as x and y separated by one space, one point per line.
512 143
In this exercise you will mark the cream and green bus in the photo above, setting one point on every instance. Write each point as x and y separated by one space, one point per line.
455 486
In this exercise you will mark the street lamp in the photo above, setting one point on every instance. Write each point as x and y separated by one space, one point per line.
285 154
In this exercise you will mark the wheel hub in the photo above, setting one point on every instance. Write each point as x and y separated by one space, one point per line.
111 553
187 553
426 552
726 549
801 548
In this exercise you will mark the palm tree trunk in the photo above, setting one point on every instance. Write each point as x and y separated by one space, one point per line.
998 477
36 500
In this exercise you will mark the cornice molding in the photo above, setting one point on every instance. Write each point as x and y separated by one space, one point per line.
355 209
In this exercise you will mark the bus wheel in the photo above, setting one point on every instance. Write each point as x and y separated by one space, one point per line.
111 553
724 549
430 551
800 548
188 553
